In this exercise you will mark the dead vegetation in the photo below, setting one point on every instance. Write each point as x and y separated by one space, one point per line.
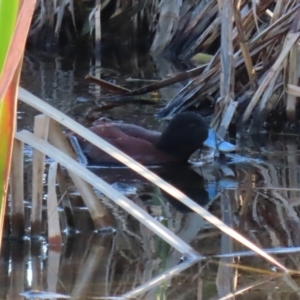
255 57
253 45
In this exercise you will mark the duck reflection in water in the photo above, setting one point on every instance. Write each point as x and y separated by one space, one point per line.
180 175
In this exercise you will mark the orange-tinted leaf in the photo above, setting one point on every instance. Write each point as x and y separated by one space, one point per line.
7 129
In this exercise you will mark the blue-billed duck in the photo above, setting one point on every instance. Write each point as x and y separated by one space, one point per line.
185 133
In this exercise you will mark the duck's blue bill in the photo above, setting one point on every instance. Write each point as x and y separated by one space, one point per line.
215 142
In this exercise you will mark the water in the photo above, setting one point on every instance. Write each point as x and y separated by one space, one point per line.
257 194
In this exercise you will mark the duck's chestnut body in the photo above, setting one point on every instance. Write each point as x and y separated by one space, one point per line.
185 133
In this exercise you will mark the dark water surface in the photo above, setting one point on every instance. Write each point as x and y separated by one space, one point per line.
258 196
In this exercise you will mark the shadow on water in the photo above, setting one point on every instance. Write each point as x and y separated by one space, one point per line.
258 196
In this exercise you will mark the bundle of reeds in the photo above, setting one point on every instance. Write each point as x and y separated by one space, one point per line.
255 58
253 47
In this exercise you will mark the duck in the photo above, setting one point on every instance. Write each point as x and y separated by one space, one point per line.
185 133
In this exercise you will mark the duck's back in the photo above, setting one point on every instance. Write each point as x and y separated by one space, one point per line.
137 142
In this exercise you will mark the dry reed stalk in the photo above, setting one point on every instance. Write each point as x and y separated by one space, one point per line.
198 23
99 213
17 191
279 188
286 216
246 197
210 32
95 253
122 16
92 19
289 42
292 174
190 227
157 85
54 234
107 85
243 44
227 66
226 276
53 266
167 275
37 281
278 10
200 284
269 31
98 26
41 129
210 7
50 14
60 14
267 101
135 18
292 284
66 203
248 288
167 24
72 258
200 18
6 222
227 117
17 266
249 20
277 250
293 90
211 39
293 79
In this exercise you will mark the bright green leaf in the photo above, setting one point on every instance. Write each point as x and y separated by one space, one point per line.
8 16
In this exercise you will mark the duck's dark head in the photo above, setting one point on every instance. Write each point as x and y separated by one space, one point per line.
188 132
185 133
